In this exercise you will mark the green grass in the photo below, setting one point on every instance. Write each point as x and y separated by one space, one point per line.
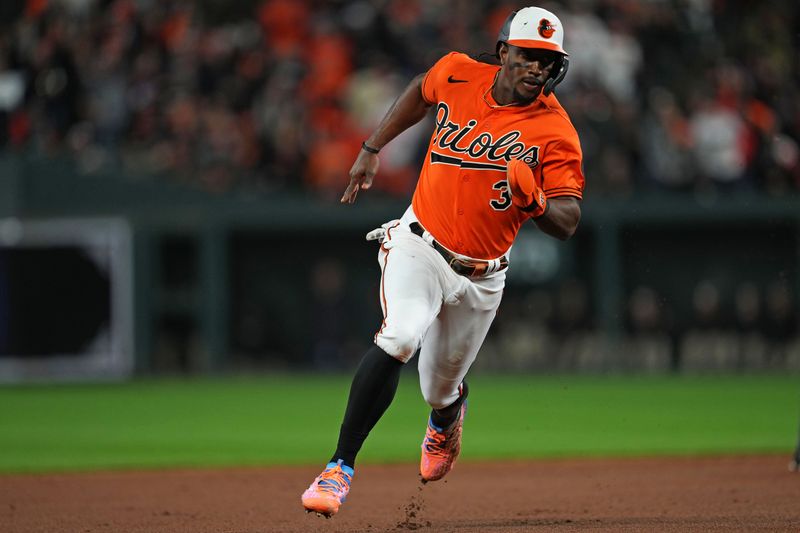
295 419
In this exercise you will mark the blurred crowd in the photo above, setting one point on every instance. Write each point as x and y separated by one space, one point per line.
749 326
271 95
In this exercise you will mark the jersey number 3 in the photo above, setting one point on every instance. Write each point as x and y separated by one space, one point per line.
504 202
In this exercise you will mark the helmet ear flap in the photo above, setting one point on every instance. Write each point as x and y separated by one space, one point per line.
505 30
560 71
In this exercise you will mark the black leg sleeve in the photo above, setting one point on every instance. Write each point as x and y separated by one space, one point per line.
445 417
371 393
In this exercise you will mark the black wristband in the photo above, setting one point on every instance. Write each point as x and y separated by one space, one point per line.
368 148
534 206
546 209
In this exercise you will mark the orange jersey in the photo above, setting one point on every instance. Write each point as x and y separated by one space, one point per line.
461 197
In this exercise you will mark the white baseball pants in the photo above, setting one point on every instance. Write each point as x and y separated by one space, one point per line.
426 305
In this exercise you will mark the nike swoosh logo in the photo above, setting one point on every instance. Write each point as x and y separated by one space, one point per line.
451 79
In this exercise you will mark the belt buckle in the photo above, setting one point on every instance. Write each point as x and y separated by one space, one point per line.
463 267
455 262
473 269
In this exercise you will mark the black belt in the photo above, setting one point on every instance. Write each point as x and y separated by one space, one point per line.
470 268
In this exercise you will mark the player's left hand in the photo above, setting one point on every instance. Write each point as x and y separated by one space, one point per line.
525 193
361 175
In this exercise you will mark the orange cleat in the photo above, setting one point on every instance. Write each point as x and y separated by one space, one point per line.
440 448
327 493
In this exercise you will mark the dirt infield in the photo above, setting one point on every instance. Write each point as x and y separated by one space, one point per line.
685 494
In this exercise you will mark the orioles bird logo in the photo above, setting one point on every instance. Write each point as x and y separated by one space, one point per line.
546 28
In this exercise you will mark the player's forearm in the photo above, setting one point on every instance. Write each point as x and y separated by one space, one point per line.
407 110
561 218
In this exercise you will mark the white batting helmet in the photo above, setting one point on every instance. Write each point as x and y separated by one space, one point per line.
533 27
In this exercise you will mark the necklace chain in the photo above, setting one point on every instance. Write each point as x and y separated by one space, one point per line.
489 90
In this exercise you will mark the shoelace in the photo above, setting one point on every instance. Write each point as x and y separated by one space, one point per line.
436 443
333 480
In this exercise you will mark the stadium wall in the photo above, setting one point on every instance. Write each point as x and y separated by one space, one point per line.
238 280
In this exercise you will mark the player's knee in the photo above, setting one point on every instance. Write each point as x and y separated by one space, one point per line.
439 397
405 348
400 343
401 348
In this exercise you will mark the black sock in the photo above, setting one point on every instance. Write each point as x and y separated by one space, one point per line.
446 416
371 394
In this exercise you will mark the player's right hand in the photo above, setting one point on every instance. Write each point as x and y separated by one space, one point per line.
361 174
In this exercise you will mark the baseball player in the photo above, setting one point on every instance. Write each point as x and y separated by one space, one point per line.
503 151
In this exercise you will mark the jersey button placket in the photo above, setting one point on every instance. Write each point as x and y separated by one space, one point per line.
464 179
462 190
